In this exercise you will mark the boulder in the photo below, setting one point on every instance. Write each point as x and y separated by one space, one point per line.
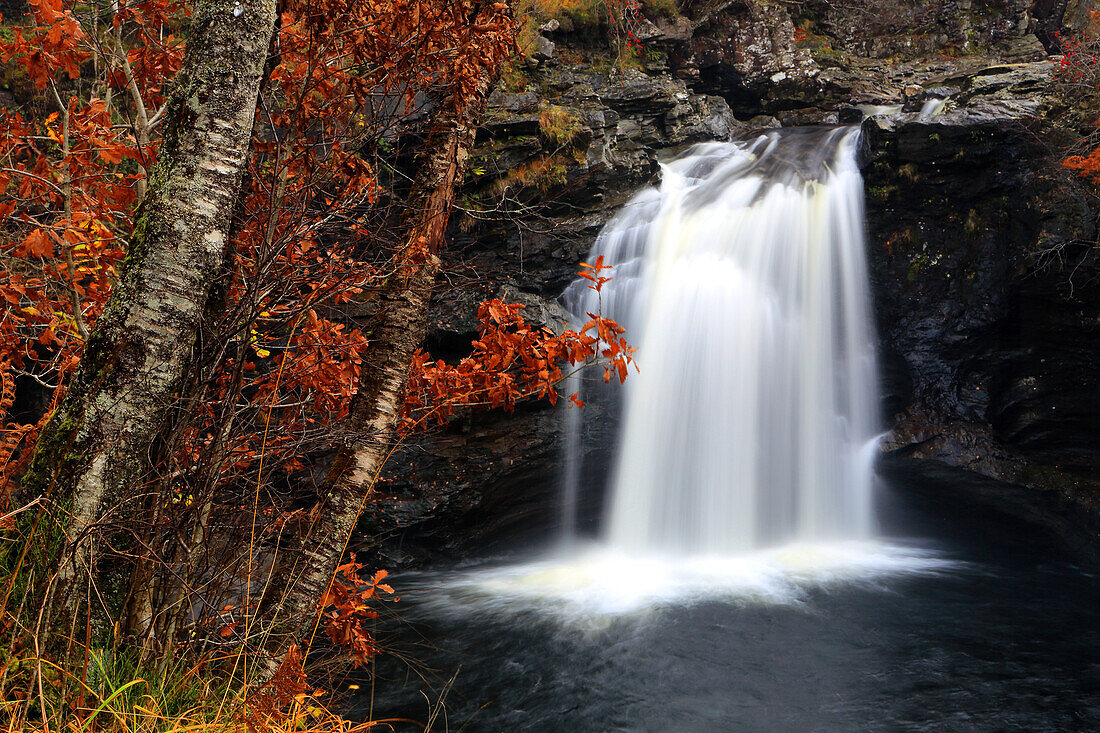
638 93
700 117
543 50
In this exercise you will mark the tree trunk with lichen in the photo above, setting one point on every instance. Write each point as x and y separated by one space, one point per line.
289 609
91 458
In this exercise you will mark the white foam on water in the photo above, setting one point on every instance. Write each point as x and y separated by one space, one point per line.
595 585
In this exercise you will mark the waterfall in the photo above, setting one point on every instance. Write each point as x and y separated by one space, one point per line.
744 445
742 282
931 108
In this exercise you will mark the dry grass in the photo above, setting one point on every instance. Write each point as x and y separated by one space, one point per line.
141 705
560 126
113 693
542 173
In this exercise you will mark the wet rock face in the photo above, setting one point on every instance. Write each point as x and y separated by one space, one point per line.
883 28
485 484
553 163
465 488
979 251
1067 16
746 52
975 504
806 58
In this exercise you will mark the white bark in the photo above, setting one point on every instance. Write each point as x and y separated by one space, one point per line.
92 454
290 607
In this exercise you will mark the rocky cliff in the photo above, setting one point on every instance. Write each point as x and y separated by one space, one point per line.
981 249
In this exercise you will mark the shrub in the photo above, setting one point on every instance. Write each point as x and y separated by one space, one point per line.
558 125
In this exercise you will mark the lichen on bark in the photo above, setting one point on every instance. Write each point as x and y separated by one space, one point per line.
91 455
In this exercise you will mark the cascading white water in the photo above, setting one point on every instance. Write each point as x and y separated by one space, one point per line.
742 281
931 108
745 446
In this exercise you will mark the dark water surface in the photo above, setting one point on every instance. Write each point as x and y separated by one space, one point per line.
1006 640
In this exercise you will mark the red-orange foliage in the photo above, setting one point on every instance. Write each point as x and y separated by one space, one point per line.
513 361
1086 166
1078 77
347 604
306 244
282 354
67 190
1079 64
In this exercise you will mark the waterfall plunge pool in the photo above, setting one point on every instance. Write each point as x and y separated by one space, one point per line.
977 628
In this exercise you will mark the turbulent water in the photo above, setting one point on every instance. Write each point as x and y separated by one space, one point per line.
741 279
931 108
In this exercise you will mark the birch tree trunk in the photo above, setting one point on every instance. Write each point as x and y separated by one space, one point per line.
289 609
90 459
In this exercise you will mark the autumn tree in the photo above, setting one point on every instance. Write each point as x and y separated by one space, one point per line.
208 334
399 330
94 447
